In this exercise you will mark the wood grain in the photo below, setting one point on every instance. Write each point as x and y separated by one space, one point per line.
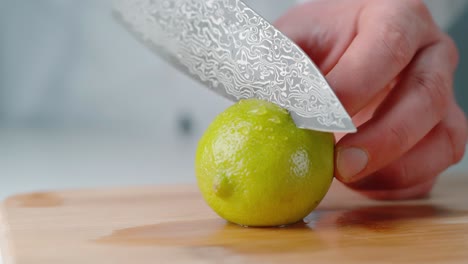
172 224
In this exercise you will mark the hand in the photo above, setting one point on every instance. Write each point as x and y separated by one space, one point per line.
392 68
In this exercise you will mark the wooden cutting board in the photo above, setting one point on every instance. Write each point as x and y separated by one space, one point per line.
172 224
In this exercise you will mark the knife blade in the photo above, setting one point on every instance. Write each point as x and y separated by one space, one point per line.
232 50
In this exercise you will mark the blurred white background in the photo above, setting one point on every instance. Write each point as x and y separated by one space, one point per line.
82 104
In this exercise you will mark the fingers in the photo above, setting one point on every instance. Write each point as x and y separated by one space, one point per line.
441 148
414 192
323 39
389 35
416 105
390 56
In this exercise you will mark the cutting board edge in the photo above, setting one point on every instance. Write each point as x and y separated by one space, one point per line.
25 247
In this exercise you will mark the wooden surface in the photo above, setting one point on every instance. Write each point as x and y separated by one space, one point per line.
172 224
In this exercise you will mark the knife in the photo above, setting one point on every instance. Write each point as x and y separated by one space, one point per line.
232 50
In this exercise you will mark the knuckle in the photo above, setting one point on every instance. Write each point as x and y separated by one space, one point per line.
460 154
456 141
449 138
400 136
452 49
392 177
396 43
464 130
404 175
459 136
464 126
400 175
418 7
435 88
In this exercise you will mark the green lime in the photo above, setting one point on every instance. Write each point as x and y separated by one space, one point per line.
254 167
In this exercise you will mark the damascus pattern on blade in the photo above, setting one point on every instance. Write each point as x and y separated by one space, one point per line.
235 52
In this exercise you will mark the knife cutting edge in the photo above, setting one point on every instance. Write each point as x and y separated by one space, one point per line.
228 47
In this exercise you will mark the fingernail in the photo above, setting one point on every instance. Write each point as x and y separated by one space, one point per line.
351 161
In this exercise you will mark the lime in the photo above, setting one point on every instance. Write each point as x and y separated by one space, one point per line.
254 167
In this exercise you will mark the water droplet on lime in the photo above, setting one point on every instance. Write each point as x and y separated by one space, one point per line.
275 119
261 110
244 130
